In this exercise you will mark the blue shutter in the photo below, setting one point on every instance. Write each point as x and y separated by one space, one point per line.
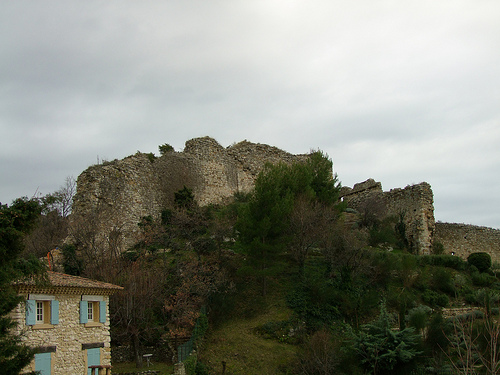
30 312
54 312
83 312
42 363
102 311
93 358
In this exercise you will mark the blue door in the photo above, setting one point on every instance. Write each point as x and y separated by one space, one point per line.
42 363
93 358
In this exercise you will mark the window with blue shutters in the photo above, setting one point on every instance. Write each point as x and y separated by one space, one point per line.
42 310
92 310
102 311
84 311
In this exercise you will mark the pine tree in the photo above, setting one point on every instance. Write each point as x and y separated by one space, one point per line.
382 349
15 221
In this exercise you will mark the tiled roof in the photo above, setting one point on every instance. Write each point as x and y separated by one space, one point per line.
56 279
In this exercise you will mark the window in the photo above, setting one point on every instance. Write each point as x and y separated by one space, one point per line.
92 310
39 311
42 311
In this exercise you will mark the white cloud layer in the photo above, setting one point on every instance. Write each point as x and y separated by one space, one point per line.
402 92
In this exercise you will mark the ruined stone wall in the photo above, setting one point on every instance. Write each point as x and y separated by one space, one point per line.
463 240
116 195
113 197
413 203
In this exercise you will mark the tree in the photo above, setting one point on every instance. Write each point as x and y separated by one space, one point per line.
15 221
382 349
320 355
290 204
263 221
52 225
136 313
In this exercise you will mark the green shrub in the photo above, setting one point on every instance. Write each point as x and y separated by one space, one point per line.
314 301
482 279
444 260
481 260
384 235
437 248
435 299
184 198
164 148
382 350
442 280
418 316
190 364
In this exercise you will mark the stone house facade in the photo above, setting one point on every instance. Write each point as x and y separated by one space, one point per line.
66 319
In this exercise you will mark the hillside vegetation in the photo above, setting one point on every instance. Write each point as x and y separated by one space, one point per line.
288 280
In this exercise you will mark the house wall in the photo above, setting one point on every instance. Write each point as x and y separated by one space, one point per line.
67 336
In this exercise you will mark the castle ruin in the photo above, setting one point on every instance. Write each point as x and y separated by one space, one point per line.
112 197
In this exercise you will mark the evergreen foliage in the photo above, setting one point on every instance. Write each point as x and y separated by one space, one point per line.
15 222
381 349
481 260
264 223
184 198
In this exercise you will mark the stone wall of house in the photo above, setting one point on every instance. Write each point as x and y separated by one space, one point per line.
463 239
114 196
67 336
414 204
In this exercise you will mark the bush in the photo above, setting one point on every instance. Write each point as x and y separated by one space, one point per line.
482 279
165 148
71 263
435 299
442 280
444 260
437 248
418 316
480 260
319 355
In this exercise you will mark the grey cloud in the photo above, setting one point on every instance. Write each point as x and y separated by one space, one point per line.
395 91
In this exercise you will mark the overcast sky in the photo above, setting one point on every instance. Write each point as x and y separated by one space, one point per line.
398 91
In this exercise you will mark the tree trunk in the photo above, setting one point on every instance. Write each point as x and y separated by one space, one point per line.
137 352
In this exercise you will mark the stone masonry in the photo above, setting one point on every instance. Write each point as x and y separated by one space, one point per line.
413 203
114 196
463 239
68 337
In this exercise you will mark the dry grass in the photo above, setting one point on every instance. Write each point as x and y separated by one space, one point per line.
245 352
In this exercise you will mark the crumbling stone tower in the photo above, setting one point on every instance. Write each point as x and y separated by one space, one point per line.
414 204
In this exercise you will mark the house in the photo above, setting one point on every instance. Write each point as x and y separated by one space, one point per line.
67 320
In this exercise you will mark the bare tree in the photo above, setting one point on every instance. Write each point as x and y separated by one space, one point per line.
319 356
474 343
310 221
